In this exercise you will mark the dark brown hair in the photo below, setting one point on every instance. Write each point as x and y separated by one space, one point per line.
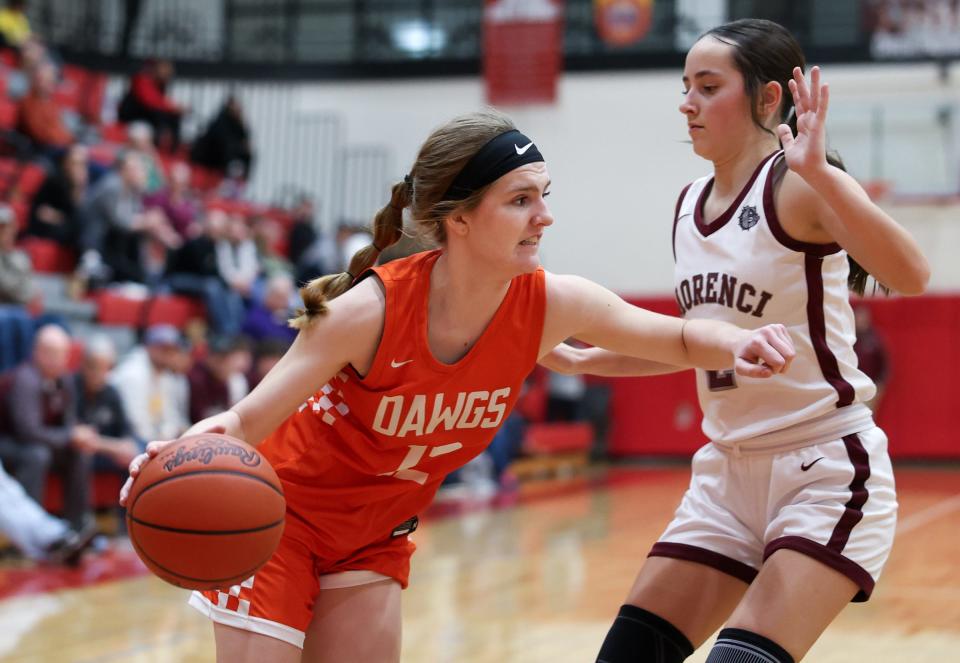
441 158
764 51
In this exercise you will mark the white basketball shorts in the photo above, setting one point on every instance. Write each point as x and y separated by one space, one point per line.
834 502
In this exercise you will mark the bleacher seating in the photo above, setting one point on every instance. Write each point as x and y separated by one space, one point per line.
175 310
8 114
30 179
117 309
48 256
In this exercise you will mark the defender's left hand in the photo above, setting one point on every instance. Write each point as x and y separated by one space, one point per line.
807 152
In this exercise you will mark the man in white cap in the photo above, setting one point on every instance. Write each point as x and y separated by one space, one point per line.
152 385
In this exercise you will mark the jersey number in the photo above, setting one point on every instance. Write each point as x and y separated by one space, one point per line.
416 452
721 380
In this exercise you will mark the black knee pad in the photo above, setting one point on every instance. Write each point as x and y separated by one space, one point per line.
639 636
735 645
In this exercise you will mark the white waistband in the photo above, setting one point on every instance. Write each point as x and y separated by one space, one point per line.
831 426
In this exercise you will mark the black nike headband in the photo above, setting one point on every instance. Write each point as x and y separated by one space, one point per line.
498 157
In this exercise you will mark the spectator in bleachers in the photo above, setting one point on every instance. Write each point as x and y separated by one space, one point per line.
266 233
219 380
99 405
268 319
35 532
16 290
178 202
147 100
237 256
56 209
266 354
140 141
40 118
33 53
152 387
14 24
193 270
45 431
303 230
331 254
225 144
120 232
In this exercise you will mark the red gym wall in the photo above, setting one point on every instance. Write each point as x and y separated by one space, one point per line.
920 411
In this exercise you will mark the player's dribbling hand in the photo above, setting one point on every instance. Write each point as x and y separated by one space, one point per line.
153 449
764 352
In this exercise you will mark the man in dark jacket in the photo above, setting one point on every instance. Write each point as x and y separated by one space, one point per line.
41 405
226 141
192 270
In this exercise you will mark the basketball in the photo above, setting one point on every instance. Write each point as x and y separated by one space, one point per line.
206 512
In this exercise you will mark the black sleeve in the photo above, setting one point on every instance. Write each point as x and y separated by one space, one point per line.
122 422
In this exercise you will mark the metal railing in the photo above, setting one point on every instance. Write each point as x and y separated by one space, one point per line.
336 38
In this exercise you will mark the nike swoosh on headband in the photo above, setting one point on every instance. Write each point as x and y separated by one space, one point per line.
522 150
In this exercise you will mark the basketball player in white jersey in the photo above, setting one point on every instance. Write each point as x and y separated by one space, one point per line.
791 508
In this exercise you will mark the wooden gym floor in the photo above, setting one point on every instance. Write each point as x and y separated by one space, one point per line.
535 580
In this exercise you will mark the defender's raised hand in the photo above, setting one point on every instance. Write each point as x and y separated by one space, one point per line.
807 152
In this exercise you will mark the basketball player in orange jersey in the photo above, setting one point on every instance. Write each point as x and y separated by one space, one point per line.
791 508
407 375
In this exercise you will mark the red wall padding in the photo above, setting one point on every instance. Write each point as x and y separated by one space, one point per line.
920 411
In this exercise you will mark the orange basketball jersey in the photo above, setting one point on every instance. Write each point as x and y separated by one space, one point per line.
365 454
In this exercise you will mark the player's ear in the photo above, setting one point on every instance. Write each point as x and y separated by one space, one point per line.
457 224
769 99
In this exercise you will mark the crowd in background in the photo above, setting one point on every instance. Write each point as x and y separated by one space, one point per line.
137 222
126 206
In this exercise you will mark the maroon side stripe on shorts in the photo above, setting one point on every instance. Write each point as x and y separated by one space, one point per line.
818 332
858 488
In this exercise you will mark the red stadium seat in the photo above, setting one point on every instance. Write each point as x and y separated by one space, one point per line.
115 309
48 256
175 310
8 114
21 210
8 57
114 133
281 216
104 153
204 179
30 179
9 169
67 95
90 88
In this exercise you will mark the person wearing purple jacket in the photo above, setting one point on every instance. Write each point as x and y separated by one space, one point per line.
268 319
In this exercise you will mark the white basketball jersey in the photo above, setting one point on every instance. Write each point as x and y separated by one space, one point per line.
744 269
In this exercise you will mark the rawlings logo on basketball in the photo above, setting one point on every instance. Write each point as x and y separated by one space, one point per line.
205 452
748 217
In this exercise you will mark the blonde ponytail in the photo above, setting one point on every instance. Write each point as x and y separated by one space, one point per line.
387 230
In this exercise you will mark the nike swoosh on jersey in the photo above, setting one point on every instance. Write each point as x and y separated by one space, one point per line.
804 466
522 150
397 364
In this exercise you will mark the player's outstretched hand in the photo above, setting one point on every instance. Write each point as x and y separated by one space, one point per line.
153 449
764 352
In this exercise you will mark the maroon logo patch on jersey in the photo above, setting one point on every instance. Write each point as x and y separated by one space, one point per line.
748 217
